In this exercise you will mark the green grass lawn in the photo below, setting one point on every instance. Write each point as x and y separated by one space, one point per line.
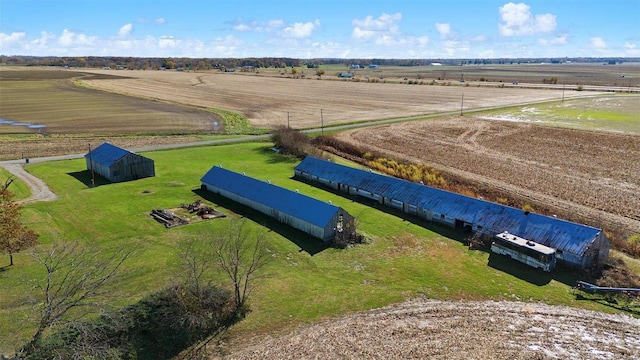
18 188
618 113
303 282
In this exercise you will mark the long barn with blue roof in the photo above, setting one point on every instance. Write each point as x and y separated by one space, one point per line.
576 244
320 219
117 164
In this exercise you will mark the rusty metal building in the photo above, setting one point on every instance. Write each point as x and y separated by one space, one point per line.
117 164
576 244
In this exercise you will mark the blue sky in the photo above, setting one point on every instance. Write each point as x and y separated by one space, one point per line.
416 29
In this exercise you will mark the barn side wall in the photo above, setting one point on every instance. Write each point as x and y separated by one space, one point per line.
288 219
132 167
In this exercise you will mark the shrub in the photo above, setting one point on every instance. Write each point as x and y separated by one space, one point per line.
160 325
290 141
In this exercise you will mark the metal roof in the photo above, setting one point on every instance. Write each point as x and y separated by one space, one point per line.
550 231
300 206
107 154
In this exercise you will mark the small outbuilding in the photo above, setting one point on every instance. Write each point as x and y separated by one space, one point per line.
117 164
320 219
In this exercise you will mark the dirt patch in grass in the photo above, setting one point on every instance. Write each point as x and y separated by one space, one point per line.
585 176
456 330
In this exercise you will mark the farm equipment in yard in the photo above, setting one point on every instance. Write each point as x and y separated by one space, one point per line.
590 288
168 218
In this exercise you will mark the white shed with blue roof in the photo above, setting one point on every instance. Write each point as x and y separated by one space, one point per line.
117 164
576 244
314 217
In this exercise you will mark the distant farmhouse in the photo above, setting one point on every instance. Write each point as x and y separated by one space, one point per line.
576 245
117 164
314 217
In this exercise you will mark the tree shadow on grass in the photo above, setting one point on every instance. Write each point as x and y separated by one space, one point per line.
306 242
84 177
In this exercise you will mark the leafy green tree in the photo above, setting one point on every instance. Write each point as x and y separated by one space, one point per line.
14 237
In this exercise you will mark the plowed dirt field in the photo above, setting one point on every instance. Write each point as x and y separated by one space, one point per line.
267 101
458 330
586 176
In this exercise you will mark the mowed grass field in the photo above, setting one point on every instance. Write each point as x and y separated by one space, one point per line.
303 282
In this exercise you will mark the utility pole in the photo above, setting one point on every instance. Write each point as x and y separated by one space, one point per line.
321 123
288 127
461 104
563 92
93 179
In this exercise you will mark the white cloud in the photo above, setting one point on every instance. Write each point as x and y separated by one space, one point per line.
380 27
518 20
301 30
125 30
443 29
558 40
242 27
71 39
157 21
14 37
598 43
258 26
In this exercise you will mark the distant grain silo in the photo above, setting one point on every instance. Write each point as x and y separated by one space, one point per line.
117 164
314 217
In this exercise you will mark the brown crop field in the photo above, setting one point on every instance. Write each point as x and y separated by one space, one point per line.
51 98
266 100
586 176
80 106
431 329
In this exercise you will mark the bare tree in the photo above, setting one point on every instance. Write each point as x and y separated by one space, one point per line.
14 237
195 262
240 256
75 276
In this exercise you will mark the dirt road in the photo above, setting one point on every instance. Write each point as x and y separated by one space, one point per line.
39 190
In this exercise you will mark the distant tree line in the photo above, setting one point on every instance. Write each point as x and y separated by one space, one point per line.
146 63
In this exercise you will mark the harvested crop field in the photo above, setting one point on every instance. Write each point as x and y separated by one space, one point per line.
458 330
51 101
266 100
586 176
